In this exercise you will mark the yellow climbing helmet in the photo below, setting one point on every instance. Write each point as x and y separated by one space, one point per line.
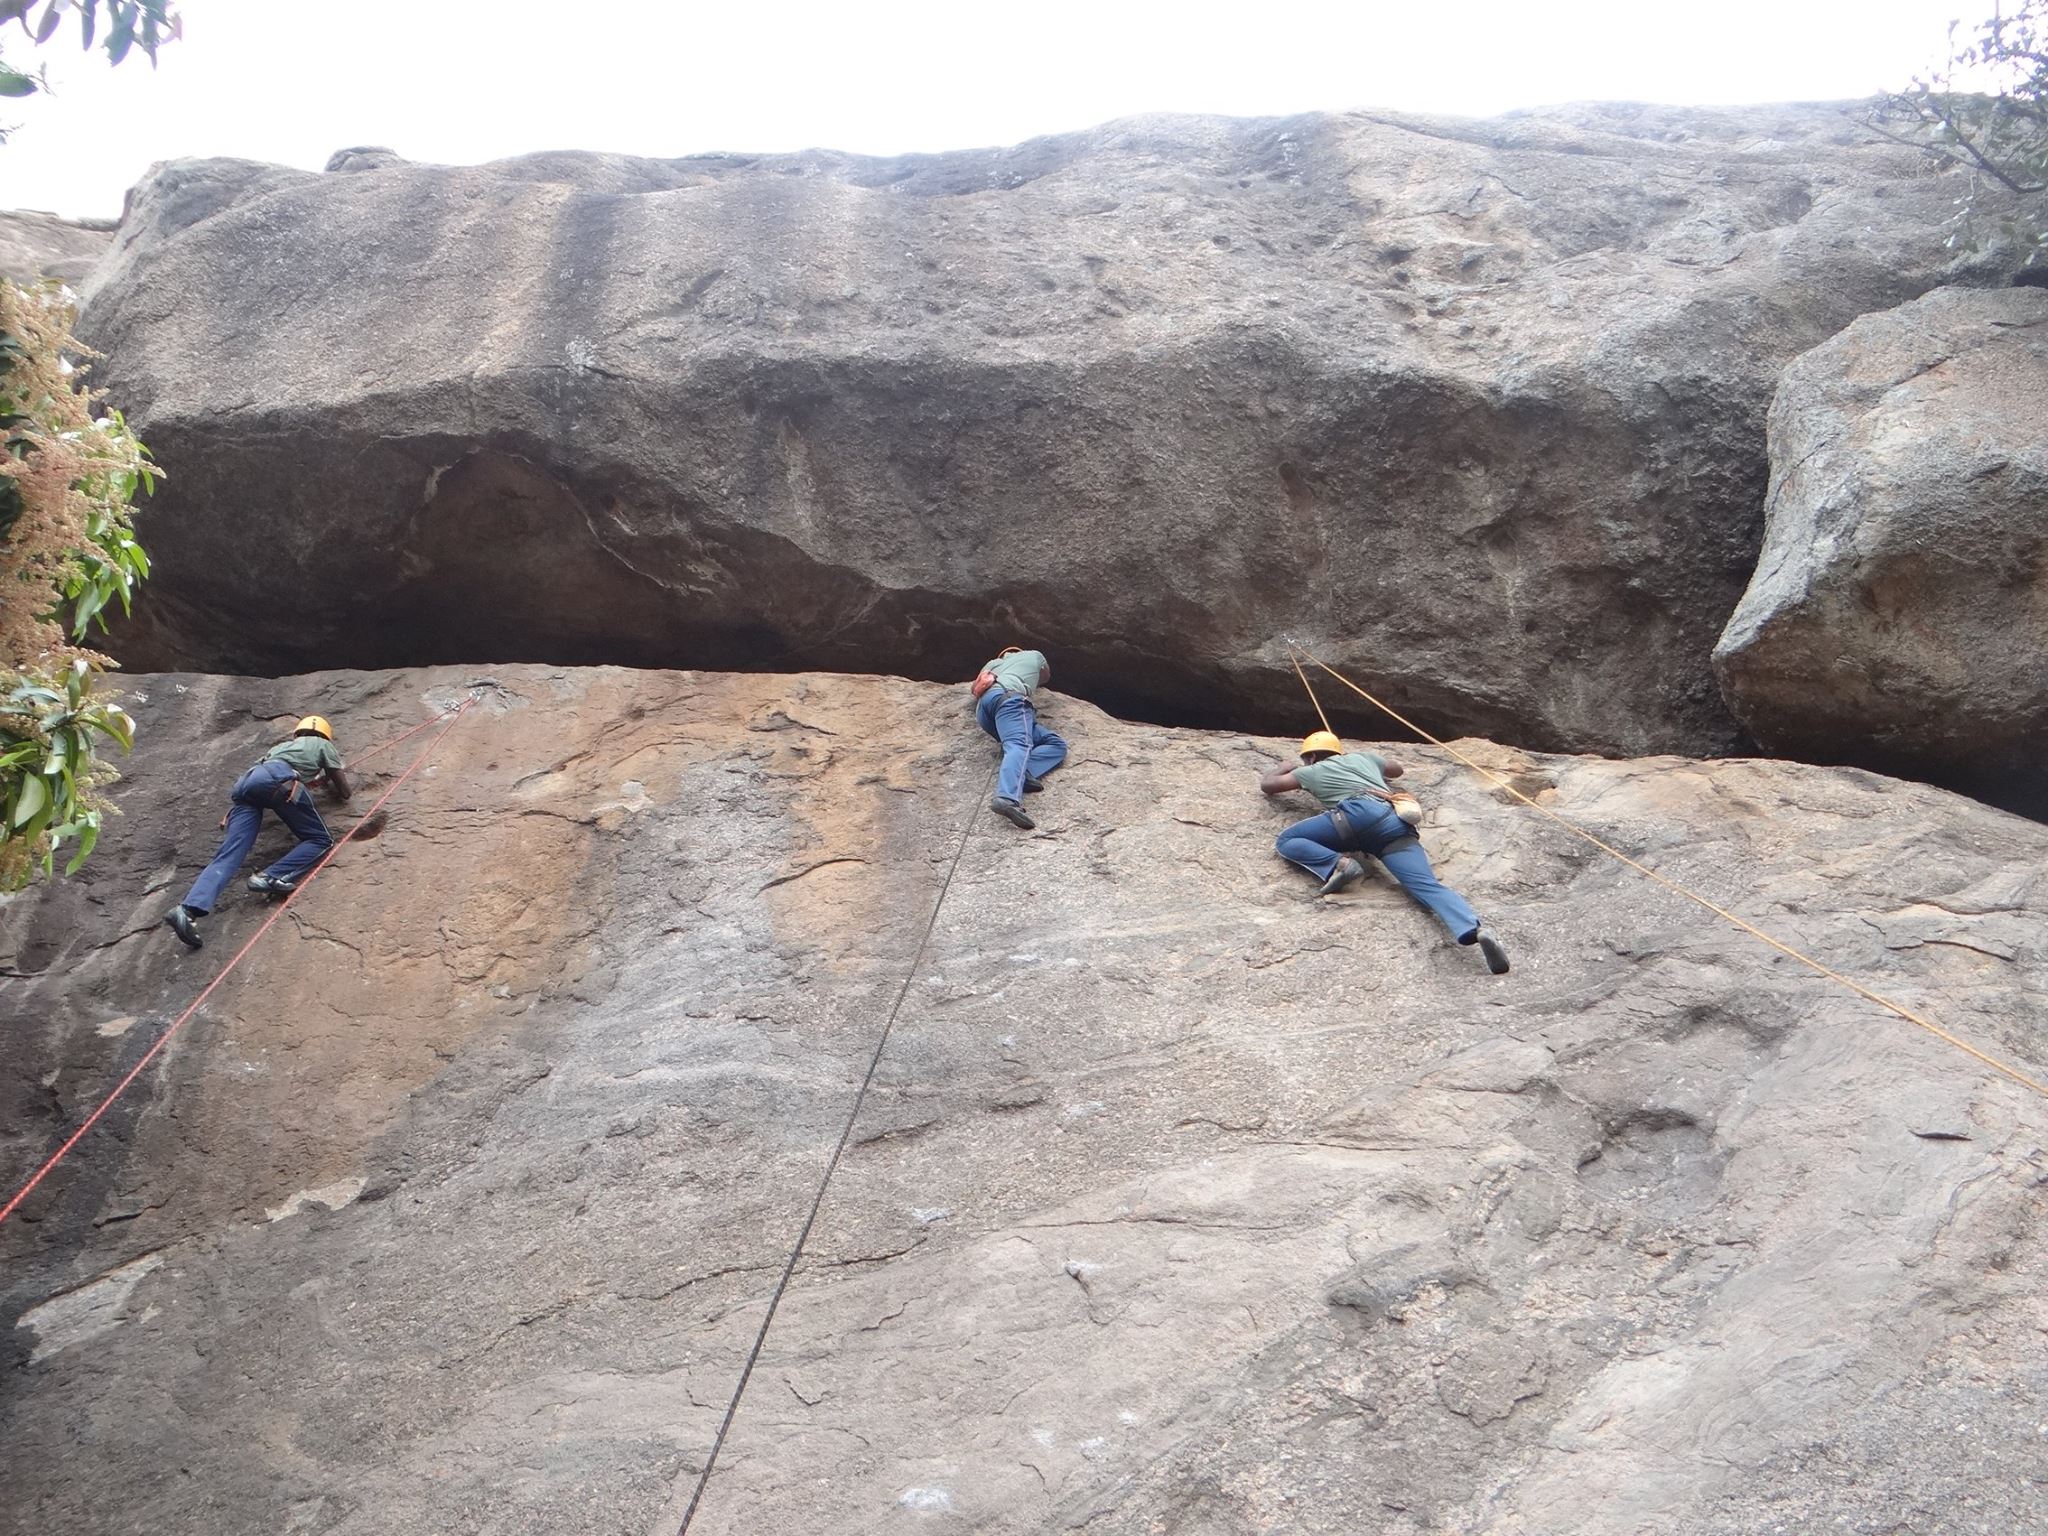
1320 741
316 725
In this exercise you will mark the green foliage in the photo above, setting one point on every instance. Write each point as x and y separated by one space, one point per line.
67 546
48 771
1986 109
109 563
130 24
67 552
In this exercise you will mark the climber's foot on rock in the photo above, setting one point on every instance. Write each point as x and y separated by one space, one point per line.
1347 874
182 925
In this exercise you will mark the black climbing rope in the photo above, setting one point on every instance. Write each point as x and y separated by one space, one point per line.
845 1135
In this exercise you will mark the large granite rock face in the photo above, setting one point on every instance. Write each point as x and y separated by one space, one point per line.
34 246
1899 613
1181 1201
1477 407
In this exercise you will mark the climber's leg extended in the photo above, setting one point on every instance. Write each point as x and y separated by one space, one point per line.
1010 718
1408 864
243 824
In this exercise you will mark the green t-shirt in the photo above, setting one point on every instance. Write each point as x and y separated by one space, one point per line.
1019 672
310 756
1344 777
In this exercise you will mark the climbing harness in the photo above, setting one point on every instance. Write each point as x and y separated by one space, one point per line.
1298 650
451 717
832 1166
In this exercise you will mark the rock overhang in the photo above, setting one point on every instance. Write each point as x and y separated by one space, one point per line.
1478 405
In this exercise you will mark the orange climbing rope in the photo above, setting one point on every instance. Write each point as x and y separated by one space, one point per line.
1298 650
1311 692
451 717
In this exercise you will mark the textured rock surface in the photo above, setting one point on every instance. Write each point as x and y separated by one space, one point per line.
1182 1202
1899 614
38 245
1477 406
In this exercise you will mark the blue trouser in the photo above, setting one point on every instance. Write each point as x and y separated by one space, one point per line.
1316 845
1028 747
267 786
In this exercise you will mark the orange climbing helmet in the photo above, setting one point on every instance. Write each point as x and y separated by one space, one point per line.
1320 741
314 725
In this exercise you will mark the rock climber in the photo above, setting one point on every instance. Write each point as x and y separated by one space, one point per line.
1003 706
282 782
1358 818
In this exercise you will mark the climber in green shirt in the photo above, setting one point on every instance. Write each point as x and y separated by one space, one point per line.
1359 817
1005 708
281 782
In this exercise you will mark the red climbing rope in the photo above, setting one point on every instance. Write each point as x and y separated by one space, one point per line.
386 746
178 1023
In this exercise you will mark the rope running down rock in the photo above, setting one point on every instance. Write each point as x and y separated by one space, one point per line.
832 1166
452 717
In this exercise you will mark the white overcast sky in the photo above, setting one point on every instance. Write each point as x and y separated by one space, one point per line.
469 80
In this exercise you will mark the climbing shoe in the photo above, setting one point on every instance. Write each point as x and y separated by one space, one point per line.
1496 956
1011 811
1032 786
183 926
1347 873
269 885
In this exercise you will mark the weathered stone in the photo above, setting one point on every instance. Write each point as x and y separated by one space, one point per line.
363 157
1476 407
34 246
1899 613
470 1186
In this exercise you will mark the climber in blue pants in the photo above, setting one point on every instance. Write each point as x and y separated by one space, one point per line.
1004 708
1360 818
281 782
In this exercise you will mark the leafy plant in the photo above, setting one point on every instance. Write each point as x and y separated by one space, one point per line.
130 24
67 551
49 770
1986 109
